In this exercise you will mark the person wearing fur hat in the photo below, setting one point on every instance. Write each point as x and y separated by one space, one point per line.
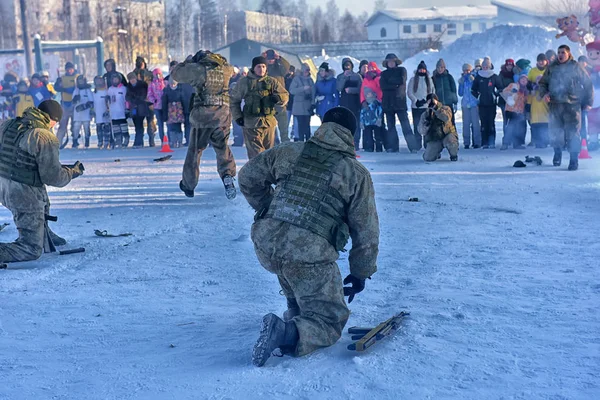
438 130
485 87
303 90
326 93
29 160
470 109
567 88
261 94
66 85
349 84
419 86
310 198
445 86
538 108
393 86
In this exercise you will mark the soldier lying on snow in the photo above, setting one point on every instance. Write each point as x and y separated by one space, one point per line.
28 162
323 196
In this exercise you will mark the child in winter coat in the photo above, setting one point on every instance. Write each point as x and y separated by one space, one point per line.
326 94
38 90
515 95
539 111
102 115
117 106
83 101
372 81
22 100
419 86
470 111
155 92
371 121
172 101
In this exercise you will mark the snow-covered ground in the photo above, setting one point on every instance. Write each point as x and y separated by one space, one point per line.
498 267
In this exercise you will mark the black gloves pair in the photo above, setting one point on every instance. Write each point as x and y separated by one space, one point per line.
357 286
420 103
240 121
78 169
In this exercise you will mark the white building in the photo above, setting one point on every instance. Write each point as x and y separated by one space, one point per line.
445 23
533 12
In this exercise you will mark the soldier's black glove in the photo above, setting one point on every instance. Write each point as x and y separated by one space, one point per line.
240 121
78 169
76 98
420 103
80 108
275 98
358 285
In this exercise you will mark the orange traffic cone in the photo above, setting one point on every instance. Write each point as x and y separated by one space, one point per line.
165 146
584 155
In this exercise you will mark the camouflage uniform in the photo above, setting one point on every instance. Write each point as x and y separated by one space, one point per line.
304 261
439 133
570 89
23 191
259 110
210 115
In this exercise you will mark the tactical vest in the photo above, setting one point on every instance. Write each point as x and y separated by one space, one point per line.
307 200
436 129
24 101
15 163
258 101
68 82
215 91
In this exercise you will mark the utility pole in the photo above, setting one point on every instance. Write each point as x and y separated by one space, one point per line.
26 40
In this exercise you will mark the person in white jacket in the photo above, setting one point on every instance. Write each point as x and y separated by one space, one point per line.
102 115
419 86
83 101
118 112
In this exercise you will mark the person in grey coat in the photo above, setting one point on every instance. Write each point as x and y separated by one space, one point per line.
303 90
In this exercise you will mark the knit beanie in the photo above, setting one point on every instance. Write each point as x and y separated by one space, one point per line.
131 75
487 62
69 65
441 63
422 65
52 108
341 116
478 62
432 96
324 66
523 63
467 67
363 62
258 60
509 61
542 56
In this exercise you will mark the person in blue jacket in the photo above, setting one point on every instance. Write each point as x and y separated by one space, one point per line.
38 90
326 94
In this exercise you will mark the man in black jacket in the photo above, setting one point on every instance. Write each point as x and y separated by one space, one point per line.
349 84
485 87
393 86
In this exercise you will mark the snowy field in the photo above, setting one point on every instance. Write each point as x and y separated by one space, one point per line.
498 267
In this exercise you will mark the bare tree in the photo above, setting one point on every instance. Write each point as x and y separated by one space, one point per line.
564 8
316 23
380 5
333 18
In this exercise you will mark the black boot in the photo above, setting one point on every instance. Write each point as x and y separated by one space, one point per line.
557 160
186 191
87 142
151 140
292 311
230 190
274 334
574 162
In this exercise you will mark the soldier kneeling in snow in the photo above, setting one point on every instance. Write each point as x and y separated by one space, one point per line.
438 130
322 197
28 162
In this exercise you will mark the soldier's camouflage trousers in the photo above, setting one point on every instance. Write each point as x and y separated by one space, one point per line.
565 126
319 292
30 243
198 142
435 148
258 140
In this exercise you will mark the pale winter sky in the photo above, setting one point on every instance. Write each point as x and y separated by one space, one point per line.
358 6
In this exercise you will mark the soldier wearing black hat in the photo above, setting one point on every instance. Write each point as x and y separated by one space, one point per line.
28 162
262 96
438 130
310 198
